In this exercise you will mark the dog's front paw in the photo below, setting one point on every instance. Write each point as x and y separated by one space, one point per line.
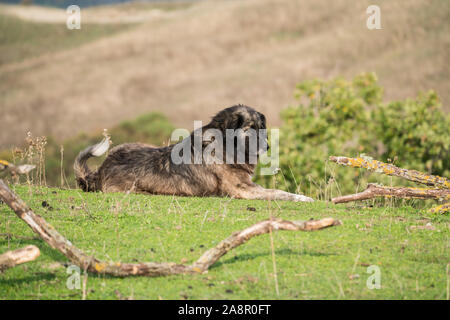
302 198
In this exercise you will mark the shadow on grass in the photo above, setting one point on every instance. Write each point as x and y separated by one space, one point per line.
38 276
56 256
246 257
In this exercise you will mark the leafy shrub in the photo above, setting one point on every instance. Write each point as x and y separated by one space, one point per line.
349 118
153 128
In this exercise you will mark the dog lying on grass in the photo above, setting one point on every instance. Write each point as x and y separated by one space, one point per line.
142 168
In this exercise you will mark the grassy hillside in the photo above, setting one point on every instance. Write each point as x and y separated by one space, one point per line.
20 40
191 61
58 157
410 248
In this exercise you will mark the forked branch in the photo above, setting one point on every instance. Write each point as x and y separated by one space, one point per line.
441 184
153 269
391 170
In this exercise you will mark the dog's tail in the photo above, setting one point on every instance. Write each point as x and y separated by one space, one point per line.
87 179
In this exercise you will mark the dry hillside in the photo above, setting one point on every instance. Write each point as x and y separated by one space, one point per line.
190 62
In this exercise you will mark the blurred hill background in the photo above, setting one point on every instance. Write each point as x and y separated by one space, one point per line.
80 3
190 59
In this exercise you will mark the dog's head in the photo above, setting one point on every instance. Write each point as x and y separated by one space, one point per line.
239 117
248 127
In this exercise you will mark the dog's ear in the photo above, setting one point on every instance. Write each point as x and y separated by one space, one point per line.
233 121
263 120
263 145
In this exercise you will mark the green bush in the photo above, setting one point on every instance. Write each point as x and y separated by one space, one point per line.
349 118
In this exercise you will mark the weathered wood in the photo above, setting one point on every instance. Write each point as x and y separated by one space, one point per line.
13 258
153 269
374 191
391 170
443 208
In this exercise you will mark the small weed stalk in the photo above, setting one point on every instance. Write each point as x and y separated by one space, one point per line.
34 153
61 150
272 248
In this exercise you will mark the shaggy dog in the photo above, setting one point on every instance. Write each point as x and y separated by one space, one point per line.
143 168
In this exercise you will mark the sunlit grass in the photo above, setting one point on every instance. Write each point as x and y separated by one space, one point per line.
329 264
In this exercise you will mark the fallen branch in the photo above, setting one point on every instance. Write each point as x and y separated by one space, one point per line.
391 170
374 190
442 193
13 258
443 208
153 269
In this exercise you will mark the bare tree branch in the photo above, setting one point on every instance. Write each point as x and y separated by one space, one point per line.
443 208
374 191
12 258
442 193
153 269
391 170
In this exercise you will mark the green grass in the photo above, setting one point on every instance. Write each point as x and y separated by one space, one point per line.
20 39
314 265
